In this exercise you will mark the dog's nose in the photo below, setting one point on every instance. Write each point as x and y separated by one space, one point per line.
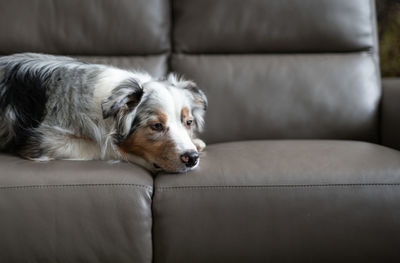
190 159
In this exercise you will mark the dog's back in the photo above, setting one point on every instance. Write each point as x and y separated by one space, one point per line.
22 97
24 81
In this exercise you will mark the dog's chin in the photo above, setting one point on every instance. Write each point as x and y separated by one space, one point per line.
155 167
178 170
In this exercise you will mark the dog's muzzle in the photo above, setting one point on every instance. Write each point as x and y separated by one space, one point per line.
190 159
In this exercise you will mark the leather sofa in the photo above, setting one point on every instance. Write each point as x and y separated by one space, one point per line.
302 163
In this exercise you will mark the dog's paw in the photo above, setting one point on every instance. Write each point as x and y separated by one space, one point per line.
41 159
200 145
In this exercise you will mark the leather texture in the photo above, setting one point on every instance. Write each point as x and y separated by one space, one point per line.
66 211
155 65
276 69
281 201
254 26
319 96
390 124
91 27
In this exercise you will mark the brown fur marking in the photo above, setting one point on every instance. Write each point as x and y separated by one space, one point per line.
142 143
184 114
162 117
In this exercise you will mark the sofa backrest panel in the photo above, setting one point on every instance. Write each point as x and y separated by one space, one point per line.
281 69
90 27
132 34
237 26
331 96
276 69
156 65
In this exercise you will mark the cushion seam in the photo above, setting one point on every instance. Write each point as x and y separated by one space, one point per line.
166 188
368 51
61 186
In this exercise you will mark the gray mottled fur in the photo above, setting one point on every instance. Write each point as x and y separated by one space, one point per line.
69 90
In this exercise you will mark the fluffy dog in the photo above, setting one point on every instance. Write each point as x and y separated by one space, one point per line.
54 107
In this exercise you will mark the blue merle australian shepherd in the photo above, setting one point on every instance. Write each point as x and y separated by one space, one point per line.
54 107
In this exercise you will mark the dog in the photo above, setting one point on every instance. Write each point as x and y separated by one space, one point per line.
56 107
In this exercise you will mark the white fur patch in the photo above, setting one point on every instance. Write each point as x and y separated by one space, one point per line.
170 100
110 78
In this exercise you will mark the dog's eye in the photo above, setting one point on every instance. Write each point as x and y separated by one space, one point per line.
157 127
189 123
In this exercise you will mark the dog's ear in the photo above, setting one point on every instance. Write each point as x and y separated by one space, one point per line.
197 96
125 97
122 105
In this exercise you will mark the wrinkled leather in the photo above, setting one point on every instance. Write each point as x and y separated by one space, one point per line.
281 201
65 211
90 27
325 96
155 65
253 26
287 162
390 125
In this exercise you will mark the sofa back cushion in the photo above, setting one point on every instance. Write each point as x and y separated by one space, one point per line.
280 69
132 34
277 69
92 27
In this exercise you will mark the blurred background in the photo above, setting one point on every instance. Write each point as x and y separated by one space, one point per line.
389 36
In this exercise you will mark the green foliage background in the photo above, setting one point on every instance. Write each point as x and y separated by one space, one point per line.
389 36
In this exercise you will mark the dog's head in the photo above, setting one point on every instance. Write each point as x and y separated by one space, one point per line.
156 122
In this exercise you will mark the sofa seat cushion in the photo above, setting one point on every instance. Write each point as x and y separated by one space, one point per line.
281 201
71 211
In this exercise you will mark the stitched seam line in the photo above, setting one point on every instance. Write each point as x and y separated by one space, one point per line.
166 188
367 51
73 186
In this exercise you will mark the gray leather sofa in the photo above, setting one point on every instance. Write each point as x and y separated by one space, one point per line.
303 161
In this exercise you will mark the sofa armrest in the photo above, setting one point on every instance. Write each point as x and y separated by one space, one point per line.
390 114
